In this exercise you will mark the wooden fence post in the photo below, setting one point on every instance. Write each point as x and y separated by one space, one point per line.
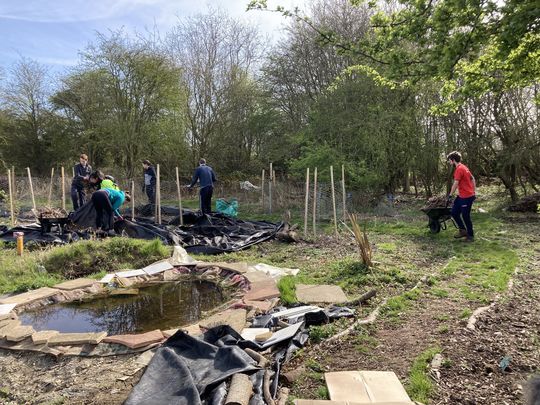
63 188
262 190
158 196
50 188
270 189
306 204
11 205
333 198
315 203
179 197
344 194
132 200
32 192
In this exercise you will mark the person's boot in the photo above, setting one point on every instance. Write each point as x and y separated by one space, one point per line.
469 239
462 233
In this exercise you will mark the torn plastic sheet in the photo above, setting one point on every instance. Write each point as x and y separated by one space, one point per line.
208 234
186 370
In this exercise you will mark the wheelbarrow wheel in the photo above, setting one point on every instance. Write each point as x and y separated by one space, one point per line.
434 226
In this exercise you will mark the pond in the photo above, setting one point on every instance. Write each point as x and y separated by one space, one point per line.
159 306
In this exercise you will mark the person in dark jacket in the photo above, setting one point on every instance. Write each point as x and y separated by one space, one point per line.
149 183
206 177
82 173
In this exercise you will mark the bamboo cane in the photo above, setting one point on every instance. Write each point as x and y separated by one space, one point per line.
270 189
315 203
262 190
333 198
179 197
344 195
158 196
50 188
62 175
10 187
132 200
32 191
306 204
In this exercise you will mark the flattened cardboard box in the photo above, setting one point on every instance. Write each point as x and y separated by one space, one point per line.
366 387
325 402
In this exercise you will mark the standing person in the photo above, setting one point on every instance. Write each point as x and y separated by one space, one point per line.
82 172
206 177
465 183
149 183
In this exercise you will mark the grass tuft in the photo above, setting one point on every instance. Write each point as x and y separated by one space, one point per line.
420 386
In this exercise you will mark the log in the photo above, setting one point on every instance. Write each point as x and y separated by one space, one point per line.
266 388
363 298
259 358
240 390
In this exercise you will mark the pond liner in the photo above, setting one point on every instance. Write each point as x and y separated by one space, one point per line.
187 370
208 234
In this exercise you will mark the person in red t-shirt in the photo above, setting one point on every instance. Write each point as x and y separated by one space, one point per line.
466 185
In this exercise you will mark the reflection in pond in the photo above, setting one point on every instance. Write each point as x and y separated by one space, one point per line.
161 306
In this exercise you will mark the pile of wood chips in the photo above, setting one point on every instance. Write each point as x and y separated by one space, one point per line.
436 202
528 203
49 212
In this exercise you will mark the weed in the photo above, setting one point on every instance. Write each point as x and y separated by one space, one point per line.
439 292
365 343
322 392
420 386
318 333
287 289
443 329
466 313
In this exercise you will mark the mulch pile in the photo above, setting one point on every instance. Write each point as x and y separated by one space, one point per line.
526 204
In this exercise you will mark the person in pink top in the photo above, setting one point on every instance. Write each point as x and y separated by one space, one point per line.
465 183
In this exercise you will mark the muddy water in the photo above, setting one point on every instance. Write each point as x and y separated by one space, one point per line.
162 306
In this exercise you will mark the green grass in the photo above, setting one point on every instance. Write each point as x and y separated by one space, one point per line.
420 385
287 289
40 268
395 306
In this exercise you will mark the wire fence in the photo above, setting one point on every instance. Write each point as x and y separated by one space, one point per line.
255 195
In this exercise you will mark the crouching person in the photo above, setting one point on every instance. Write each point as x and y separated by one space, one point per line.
107 202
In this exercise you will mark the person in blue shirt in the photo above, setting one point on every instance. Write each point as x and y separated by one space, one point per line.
206 177
107 202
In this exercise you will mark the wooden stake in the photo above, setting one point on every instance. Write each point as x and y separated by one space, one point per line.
344 195
32 191
262 190
315 203
132 200
50 188
270 190
10 187
306 203
179 197
158 196
274 178
333 198
62 175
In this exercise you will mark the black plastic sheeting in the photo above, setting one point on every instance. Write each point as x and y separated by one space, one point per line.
208 234
190 371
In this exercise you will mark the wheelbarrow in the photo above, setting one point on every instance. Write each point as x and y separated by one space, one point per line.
438 217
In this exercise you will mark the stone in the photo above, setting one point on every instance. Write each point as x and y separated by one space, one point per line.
42 337
254 276
261 290
193 330
137 340
169 332
75 284
68 339
260 306
293 375
144 359
263 337
125 291
251 333
365 387
172 275
19 333
330 294
125 282
130 273
9 326
158 267
5 310
235 318
30 296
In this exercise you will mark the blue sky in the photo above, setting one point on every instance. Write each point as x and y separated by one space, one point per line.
53 32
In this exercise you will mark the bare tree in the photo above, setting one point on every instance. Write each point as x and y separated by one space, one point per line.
215 53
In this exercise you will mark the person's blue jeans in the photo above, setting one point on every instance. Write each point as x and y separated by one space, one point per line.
461 212
78 197
206 199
